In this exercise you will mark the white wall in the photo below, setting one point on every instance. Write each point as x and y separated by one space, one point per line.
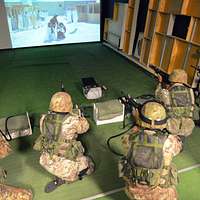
5 41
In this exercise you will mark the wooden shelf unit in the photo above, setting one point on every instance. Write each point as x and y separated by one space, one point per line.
149 28
128 25
191 8
162 23
166 51
160 46
146 44
196 35
170 6
156 51
178 55
153 4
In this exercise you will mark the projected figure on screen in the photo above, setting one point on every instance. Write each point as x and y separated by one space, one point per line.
61 30
52 29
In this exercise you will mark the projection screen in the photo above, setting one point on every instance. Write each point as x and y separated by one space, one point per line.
50 22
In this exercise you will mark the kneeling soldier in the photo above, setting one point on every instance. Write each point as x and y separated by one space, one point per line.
61 154
178 98
147 167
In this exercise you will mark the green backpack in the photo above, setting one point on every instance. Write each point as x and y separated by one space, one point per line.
180 102
51 140
144 161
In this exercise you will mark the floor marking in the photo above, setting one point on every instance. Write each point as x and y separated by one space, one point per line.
121 189
189 168
104 194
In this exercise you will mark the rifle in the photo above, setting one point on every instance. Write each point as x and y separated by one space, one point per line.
159 72
197 88
131 103
62 88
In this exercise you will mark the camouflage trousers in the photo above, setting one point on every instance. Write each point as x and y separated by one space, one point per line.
14 193
144 192
66 169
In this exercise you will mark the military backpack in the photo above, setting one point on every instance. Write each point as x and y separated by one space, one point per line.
180 101
144 161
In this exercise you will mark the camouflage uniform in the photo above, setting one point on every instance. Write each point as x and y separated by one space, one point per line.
149 173
179 101
9 192
67 159
61 154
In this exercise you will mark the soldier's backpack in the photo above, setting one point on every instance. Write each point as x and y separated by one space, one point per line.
144 161
180 101
51 142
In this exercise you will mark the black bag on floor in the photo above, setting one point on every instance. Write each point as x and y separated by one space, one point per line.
91 89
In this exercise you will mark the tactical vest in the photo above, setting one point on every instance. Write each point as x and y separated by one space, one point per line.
144 161
180 98
51 141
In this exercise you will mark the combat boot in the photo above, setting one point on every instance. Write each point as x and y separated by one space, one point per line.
87 171
51 186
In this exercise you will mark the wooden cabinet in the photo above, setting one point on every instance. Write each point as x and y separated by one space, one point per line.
171 36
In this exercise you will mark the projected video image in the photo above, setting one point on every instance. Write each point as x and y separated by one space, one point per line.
49 22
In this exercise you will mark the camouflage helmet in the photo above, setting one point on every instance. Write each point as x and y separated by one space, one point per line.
152 115
178 76
61 102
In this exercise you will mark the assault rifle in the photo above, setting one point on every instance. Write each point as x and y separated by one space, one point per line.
131 103
159 72
197 88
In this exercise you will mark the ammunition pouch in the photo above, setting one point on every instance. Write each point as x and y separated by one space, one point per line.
139 175
74 150
151 177
171 178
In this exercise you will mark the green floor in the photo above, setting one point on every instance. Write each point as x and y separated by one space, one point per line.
29 77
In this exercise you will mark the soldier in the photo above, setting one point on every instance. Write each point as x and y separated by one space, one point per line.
6 191
147 167
61 154
179 101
